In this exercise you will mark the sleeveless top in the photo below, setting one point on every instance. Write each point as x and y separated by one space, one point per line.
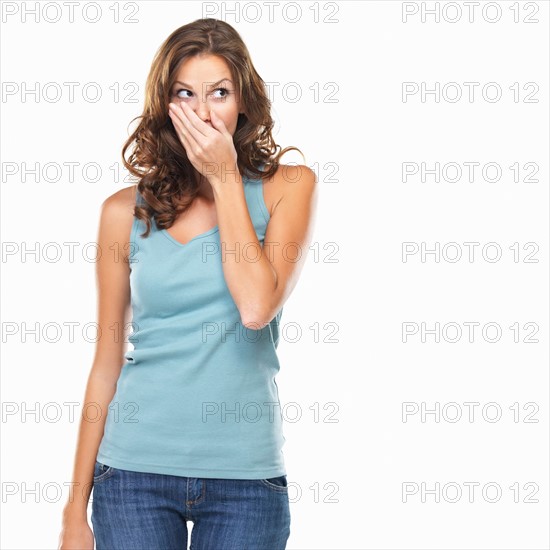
197 395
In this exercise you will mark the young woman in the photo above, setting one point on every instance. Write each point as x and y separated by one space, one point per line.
201 254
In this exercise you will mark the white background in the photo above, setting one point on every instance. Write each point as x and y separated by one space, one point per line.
346 477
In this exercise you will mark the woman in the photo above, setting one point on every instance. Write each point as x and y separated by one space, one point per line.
216 233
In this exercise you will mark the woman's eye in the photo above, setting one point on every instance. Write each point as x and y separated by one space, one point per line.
224 90
182 96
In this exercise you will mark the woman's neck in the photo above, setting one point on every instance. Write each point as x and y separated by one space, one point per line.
205 189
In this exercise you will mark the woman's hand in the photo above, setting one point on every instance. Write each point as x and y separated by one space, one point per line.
76 535
209 148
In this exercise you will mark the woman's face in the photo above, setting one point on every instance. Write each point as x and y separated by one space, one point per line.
204 82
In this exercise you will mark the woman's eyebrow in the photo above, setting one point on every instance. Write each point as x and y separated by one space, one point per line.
210 85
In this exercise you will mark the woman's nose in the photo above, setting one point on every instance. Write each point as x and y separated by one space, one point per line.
203 110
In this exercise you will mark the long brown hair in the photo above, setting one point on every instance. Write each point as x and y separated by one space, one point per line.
166 176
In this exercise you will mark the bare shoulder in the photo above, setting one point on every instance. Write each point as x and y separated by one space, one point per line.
121 200
290 180
119 207
117 216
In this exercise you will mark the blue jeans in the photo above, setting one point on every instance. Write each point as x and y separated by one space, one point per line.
143 511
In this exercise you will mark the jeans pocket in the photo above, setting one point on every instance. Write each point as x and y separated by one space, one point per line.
102 472
276 483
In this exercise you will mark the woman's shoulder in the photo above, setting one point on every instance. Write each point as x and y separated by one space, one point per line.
121 201
117 212
288 179
291 174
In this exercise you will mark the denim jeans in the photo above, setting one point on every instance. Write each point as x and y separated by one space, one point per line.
144 511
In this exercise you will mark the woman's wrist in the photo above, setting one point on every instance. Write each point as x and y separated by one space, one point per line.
75 512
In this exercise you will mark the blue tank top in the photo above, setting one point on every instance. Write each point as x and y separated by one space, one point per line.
197 395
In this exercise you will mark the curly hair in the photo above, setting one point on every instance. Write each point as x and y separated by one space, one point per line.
166 177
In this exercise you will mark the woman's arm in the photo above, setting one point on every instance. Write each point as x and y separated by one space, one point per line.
260 281
113 286
261 285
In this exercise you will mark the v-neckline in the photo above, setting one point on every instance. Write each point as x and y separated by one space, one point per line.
211 231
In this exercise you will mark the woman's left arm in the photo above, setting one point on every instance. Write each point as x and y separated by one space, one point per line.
261 279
